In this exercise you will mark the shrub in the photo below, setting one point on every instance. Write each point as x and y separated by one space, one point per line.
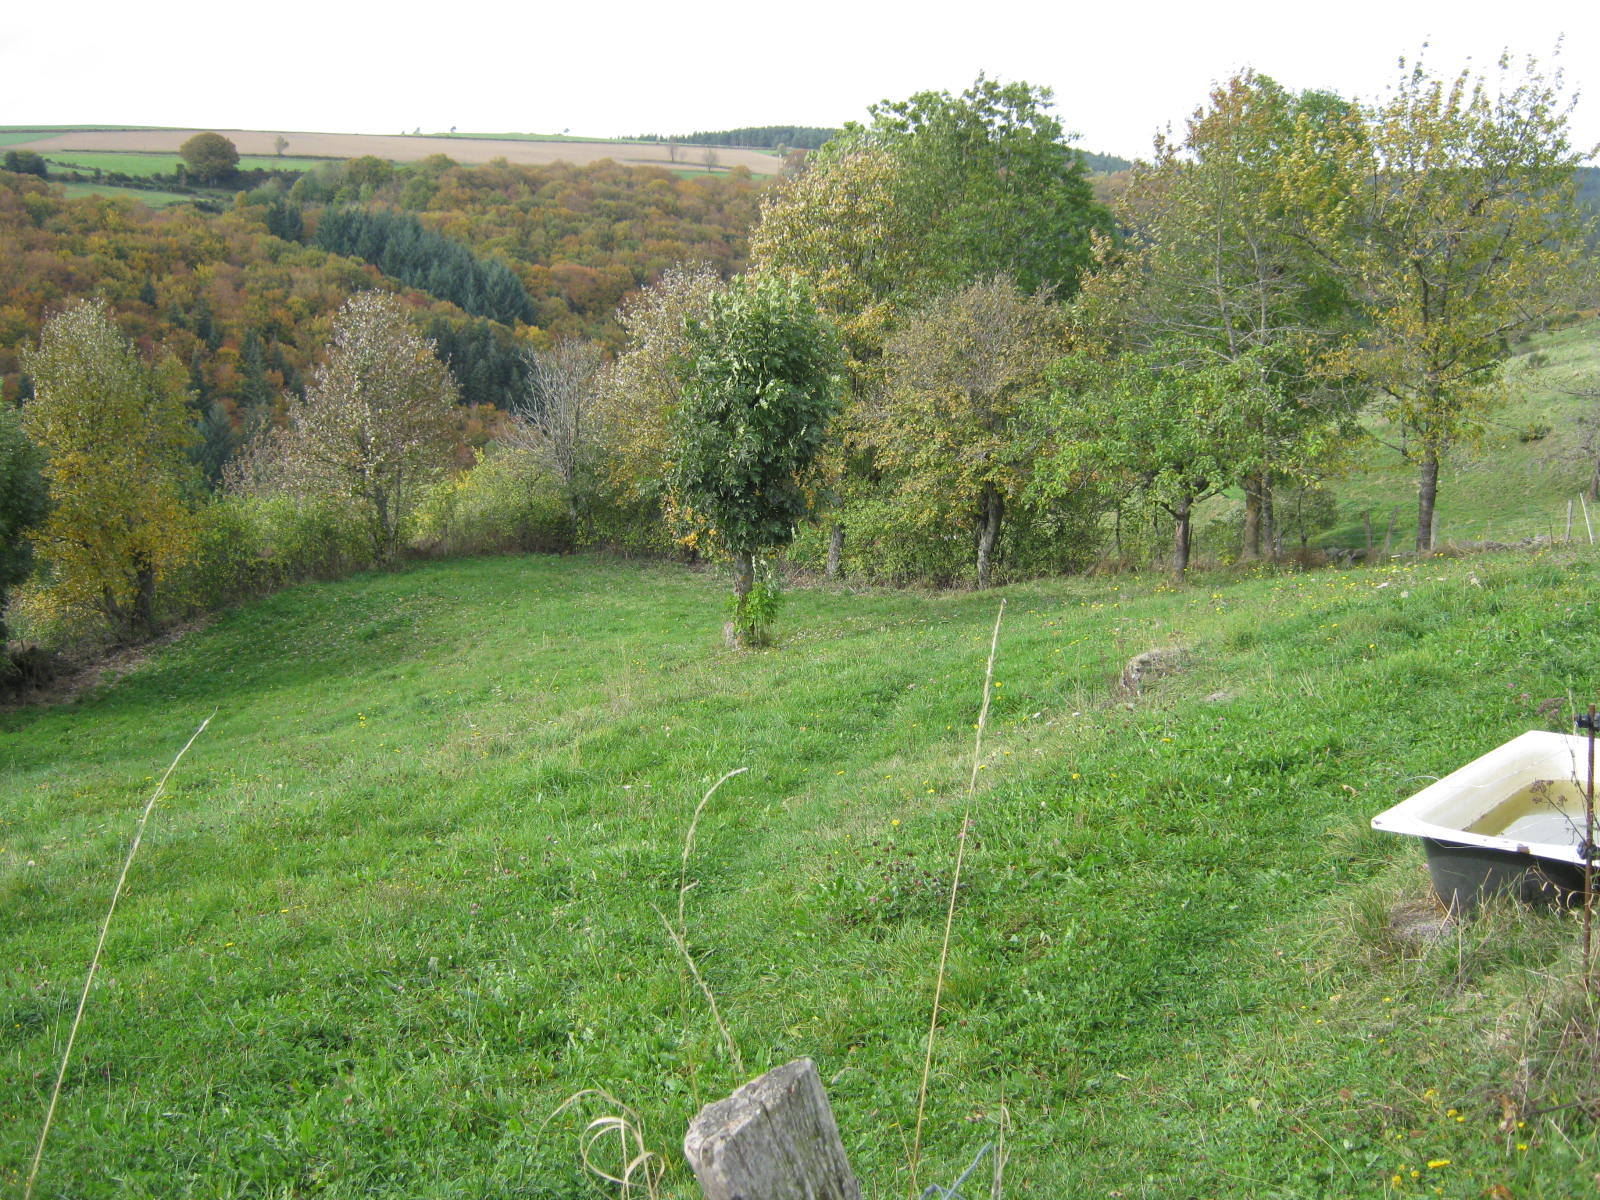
228 564
506 502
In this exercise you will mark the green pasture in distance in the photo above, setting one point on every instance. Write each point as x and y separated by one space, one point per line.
136 162
1536 456
148 196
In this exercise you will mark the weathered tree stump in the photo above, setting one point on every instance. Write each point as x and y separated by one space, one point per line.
773 1139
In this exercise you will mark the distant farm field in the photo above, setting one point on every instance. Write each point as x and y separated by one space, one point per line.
463 148
136 163
152 197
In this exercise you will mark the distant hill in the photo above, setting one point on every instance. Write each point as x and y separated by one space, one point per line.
1105 164
1589 194
791 137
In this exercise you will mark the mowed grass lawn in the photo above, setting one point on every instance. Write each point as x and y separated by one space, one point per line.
409 891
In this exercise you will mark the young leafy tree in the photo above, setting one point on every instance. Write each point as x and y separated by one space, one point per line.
760 387
23 503
1462 198
116 433
1153 426
949 430
377 422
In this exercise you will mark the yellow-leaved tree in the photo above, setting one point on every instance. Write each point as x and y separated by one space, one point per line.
115 430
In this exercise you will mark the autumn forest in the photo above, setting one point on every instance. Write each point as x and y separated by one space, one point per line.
1026 365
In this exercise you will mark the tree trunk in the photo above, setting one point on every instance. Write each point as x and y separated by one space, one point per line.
144 601
744 579
835 549
775 1138
1180 533
1271 535
992 508
1427 492
1250 551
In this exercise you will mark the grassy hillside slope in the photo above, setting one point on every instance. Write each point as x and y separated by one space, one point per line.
1537 455
404 896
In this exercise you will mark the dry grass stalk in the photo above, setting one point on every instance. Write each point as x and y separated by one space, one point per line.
641 1168
679 935
955 885
94 962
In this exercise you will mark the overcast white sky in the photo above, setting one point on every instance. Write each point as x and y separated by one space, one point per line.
1119 71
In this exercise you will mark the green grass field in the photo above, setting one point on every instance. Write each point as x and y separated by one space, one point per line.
149 196
131 163
1515 484
402 898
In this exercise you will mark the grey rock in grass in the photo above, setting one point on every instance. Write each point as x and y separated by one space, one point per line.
1152 664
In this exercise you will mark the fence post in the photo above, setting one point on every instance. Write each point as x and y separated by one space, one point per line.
773 1139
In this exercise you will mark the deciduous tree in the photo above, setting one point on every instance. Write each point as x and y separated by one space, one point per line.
377 421
949 429
1462 197
1216 268
116 432
211 158
759 389
1155 427
939 191
555 420
639 391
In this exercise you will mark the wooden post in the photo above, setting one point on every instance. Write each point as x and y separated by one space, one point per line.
773 1139
1388 535
1586 522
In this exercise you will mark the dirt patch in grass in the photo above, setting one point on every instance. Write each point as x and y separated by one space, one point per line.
48 678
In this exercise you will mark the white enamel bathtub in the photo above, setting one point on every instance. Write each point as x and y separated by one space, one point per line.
1512 820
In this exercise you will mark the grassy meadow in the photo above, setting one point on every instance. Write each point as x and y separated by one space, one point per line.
1537 454
410 890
